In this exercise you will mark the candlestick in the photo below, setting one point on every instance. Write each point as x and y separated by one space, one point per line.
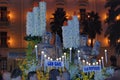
106 58
102 62
36 52
70 54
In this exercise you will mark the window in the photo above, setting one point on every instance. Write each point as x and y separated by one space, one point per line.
3 16
3 63
3 39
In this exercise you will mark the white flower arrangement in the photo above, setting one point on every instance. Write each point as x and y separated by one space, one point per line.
42 12
71 35
73 70
98 76
36 20
104 73
29 23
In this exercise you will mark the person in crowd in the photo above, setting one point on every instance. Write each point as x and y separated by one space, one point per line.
116 75
6 75
16 74
32 75
53 74
65 75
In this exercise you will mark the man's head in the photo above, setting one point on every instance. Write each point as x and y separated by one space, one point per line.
6 76
32 75
16 74
117 72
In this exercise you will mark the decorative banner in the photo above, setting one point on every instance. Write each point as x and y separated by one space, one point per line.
54 63
91 68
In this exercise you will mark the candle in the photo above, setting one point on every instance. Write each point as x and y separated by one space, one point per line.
51 59
102 62
65 57
96 63
51 66
99 62
79 60
45 63
63 63
48 66
48 58
93 64
106 60
36 52
83 61
42 53
57 59
78 54
60 59
45 57
70 54
87 63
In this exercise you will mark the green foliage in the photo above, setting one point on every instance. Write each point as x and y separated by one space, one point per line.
57 21
92 25
30 59
36 39
113 28
67 51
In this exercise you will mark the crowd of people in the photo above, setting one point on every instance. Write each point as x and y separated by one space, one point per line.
54 74
16 74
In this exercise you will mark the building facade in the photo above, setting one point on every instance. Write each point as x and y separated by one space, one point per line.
13 21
